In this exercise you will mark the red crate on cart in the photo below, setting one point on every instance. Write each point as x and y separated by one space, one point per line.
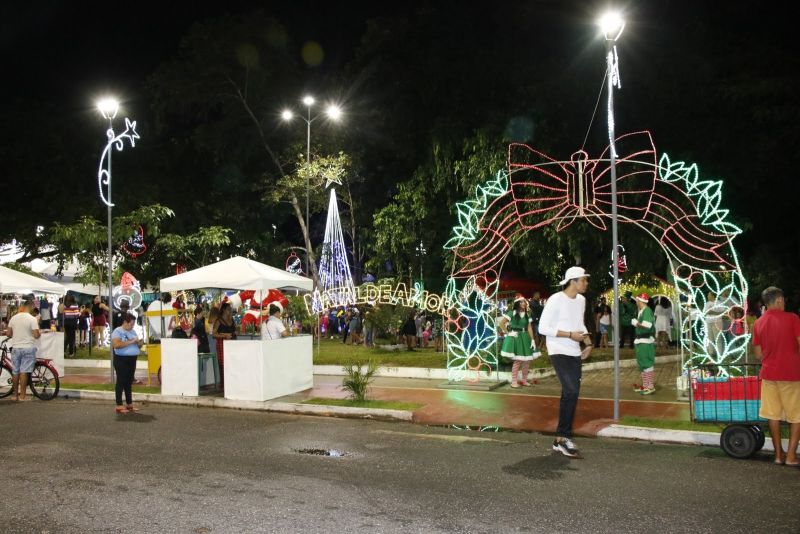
733 388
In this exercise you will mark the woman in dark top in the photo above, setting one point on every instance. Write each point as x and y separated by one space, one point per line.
223 329
199 330
99 320
409 331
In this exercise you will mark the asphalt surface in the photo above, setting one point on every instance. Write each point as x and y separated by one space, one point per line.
75 466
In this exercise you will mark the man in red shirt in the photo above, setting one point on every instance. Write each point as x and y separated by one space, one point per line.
776 339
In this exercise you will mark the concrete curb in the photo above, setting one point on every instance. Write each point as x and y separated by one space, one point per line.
441 374
401 372
265 406
663 435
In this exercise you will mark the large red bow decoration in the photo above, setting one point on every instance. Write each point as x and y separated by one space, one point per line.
563 191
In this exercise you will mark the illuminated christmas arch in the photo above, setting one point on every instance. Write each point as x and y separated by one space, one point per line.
666 199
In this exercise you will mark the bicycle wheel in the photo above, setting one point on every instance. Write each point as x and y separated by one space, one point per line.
44 382
5 381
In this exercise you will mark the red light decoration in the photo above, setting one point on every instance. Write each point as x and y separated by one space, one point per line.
135 245
664 198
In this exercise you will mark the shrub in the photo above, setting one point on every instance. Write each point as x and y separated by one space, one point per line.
357 379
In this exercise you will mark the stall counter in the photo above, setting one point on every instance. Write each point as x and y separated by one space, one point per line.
51 347
180 368
260 370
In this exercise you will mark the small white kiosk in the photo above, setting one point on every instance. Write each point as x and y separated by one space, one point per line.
51 344
257 369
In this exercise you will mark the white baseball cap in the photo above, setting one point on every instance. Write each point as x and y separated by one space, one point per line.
572 273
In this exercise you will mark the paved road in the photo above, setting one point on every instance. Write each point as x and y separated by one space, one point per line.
74 466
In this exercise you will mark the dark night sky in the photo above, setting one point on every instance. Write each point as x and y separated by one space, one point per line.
70 51
67 53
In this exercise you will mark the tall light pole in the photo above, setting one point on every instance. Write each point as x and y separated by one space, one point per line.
612 24
109 107
334 113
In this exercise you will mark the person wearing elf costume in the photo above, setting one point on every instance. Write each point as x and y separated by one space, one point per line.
645 344
518 343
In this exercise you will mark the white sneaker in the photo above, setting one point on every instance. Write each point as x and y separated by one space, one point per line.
566 447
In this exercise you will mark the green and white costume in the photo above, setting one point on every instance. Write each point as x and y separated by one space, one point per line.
517 343
645 339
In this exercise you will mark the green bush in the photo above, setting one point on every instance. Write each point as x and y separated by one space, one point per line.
297 310
357 379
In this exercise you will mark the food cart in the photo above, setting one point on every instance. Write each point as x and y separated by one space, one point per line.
255 369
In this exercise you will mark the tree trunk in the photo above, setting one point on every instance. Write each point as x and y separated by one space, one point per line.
312 260
357 256
295 204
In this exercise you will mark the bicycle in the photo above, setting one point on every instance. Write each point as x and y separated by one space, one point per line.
43 381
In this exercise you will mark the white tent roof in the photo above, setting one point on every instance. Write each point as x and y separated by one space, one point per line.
12 281
236 273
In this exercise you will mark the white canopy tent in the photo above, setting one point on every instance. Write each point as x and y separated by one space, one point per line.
254 369
237 273
12 281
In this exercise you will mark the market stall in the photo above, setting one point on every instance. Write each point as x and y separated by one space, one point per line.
255 369
51 344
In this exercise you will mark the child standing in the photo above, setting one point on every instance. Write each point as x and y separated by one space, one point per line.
518 344
83 326
644 343
426 334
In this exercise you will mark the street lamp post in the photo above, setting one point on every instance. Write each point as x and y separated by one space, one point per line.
109 107
334 113
612 25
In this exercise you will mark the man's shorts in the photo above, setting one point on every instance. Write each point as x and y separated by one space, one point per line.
22 360
780 400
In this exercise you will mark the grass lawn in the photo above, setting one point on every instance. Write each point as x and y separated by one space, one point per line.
686 425
671 424
82 353
109 387
385 405
334 352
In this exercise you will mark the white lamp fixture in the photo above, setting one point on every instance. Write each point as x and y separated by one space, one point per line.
334 112
611 24
108 107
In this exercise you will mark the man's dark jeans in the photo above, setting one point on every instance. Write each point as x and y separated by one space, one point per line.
568 369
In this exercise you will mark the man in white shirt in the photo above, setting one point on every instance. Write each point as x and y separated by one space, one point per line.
274 328
23 329
563 325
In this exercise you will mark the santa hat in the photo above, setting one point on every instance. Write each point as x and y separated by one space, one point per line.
520 298
643 297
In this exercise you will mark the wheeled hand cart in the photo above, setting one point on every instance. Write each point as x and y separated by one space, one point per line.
730 394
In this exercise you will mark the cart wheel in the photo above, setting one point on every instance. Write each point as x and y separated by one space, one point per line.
738 441
761 438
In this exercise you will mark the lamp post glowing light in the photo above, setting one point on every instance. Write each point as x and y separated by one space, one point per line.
612 25
108 108
334 113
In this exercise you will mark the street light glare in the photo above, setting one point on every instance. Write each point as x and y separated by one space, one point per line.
308 100
334 112
287 114
108 107
611 24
